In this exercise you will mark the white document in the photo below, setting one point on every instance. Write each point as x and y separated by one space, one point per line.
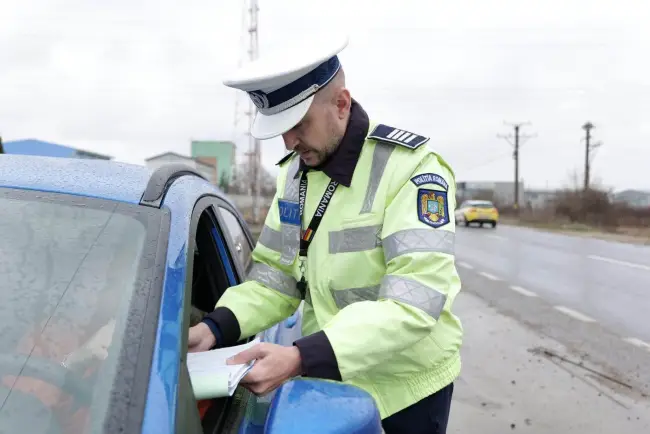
211 377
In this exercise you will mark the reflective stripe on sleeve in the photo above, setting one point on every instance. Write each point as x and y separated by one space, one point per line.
395 288
414 293
274 279
418 240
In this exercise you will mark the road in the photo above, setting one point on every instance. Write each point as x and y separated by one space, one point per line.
556 333
595 280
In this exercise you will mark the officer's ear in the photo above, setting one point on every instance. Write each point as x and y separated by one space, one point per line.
343 103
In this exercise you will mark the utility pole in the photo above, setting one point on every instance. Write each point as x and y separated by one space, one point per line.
515 155
588 126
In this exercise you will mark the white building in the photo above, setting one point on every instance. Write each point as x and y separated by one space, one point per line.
502 192
539 199
205 169
633 198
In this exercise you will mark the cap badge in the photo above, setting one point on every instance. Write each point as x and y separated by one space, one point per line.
259 99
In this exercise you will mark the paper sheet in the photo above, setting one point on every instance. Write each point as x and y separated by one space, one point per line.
211 377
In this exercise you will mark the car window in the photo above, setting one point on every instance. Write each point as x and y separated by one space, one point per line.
482 204
210 274
68 272
238 236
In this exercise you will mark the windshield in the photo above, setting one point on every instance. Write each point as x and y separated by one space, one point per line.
481 204
69 267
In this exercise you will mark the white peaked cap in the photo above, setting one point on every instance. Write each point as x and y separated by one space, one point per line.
282 84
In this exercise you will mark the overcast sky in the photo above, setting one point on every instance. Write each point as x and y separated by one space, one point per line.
135 78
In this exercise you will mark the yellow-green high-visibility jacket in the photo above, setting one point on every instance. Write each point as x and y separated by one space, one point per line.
381 273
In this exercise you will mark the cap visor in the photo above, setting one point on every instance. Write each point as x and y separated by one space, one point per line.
267 127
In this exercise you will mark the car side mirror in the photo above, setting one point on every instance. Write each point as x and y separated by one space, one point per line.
322 407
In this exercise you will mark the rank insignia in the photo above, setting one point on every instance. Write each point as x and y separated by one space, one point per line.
396 136
433 209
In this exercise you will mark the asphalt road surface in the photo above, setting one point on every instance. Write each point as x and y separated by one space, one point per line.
557 333
592 280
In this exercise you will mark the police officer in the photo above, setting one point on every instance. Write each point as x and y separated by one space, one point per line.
361 230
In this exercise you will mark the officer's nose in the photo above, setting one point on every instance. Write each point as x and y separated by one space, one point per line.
290 140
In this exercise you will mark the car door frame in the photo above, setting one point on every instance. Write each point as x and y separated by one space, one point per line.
232 248
208 203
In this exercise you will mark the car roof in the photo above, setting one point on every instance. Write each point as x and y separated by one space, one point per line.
89 177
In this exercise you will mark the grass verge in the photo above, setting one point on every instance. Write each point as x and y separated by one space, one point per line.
632 235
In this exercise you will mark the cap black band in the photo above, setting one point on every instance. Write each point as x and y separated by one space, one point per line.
296 91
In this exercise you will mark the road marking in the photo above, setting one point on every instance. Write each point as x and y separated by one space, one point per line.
617 262
496 237
465 265
489 276
637 342
523 291
574 314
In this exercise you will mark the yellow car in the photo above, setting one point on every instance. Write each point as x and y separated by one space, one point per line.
477 211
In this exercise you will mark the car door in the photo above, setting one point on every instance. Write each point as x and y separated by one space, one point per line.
214 263
234 241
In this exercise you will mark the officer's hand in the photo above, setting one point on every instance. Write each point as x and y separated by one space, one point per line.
274 365
200 338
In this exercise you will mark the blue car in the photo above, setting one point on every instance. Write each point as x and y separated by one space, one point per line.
104 267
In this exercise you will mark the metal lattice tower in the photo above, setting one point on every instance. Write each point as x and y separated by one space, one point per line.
254 144
252 157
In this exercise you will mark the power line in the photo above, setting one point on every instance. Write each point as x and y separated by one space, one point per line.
516 144
484 162
476 164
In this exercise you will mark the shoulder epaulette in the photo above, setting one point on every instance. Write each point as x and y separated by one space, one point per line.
285 158
396 136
